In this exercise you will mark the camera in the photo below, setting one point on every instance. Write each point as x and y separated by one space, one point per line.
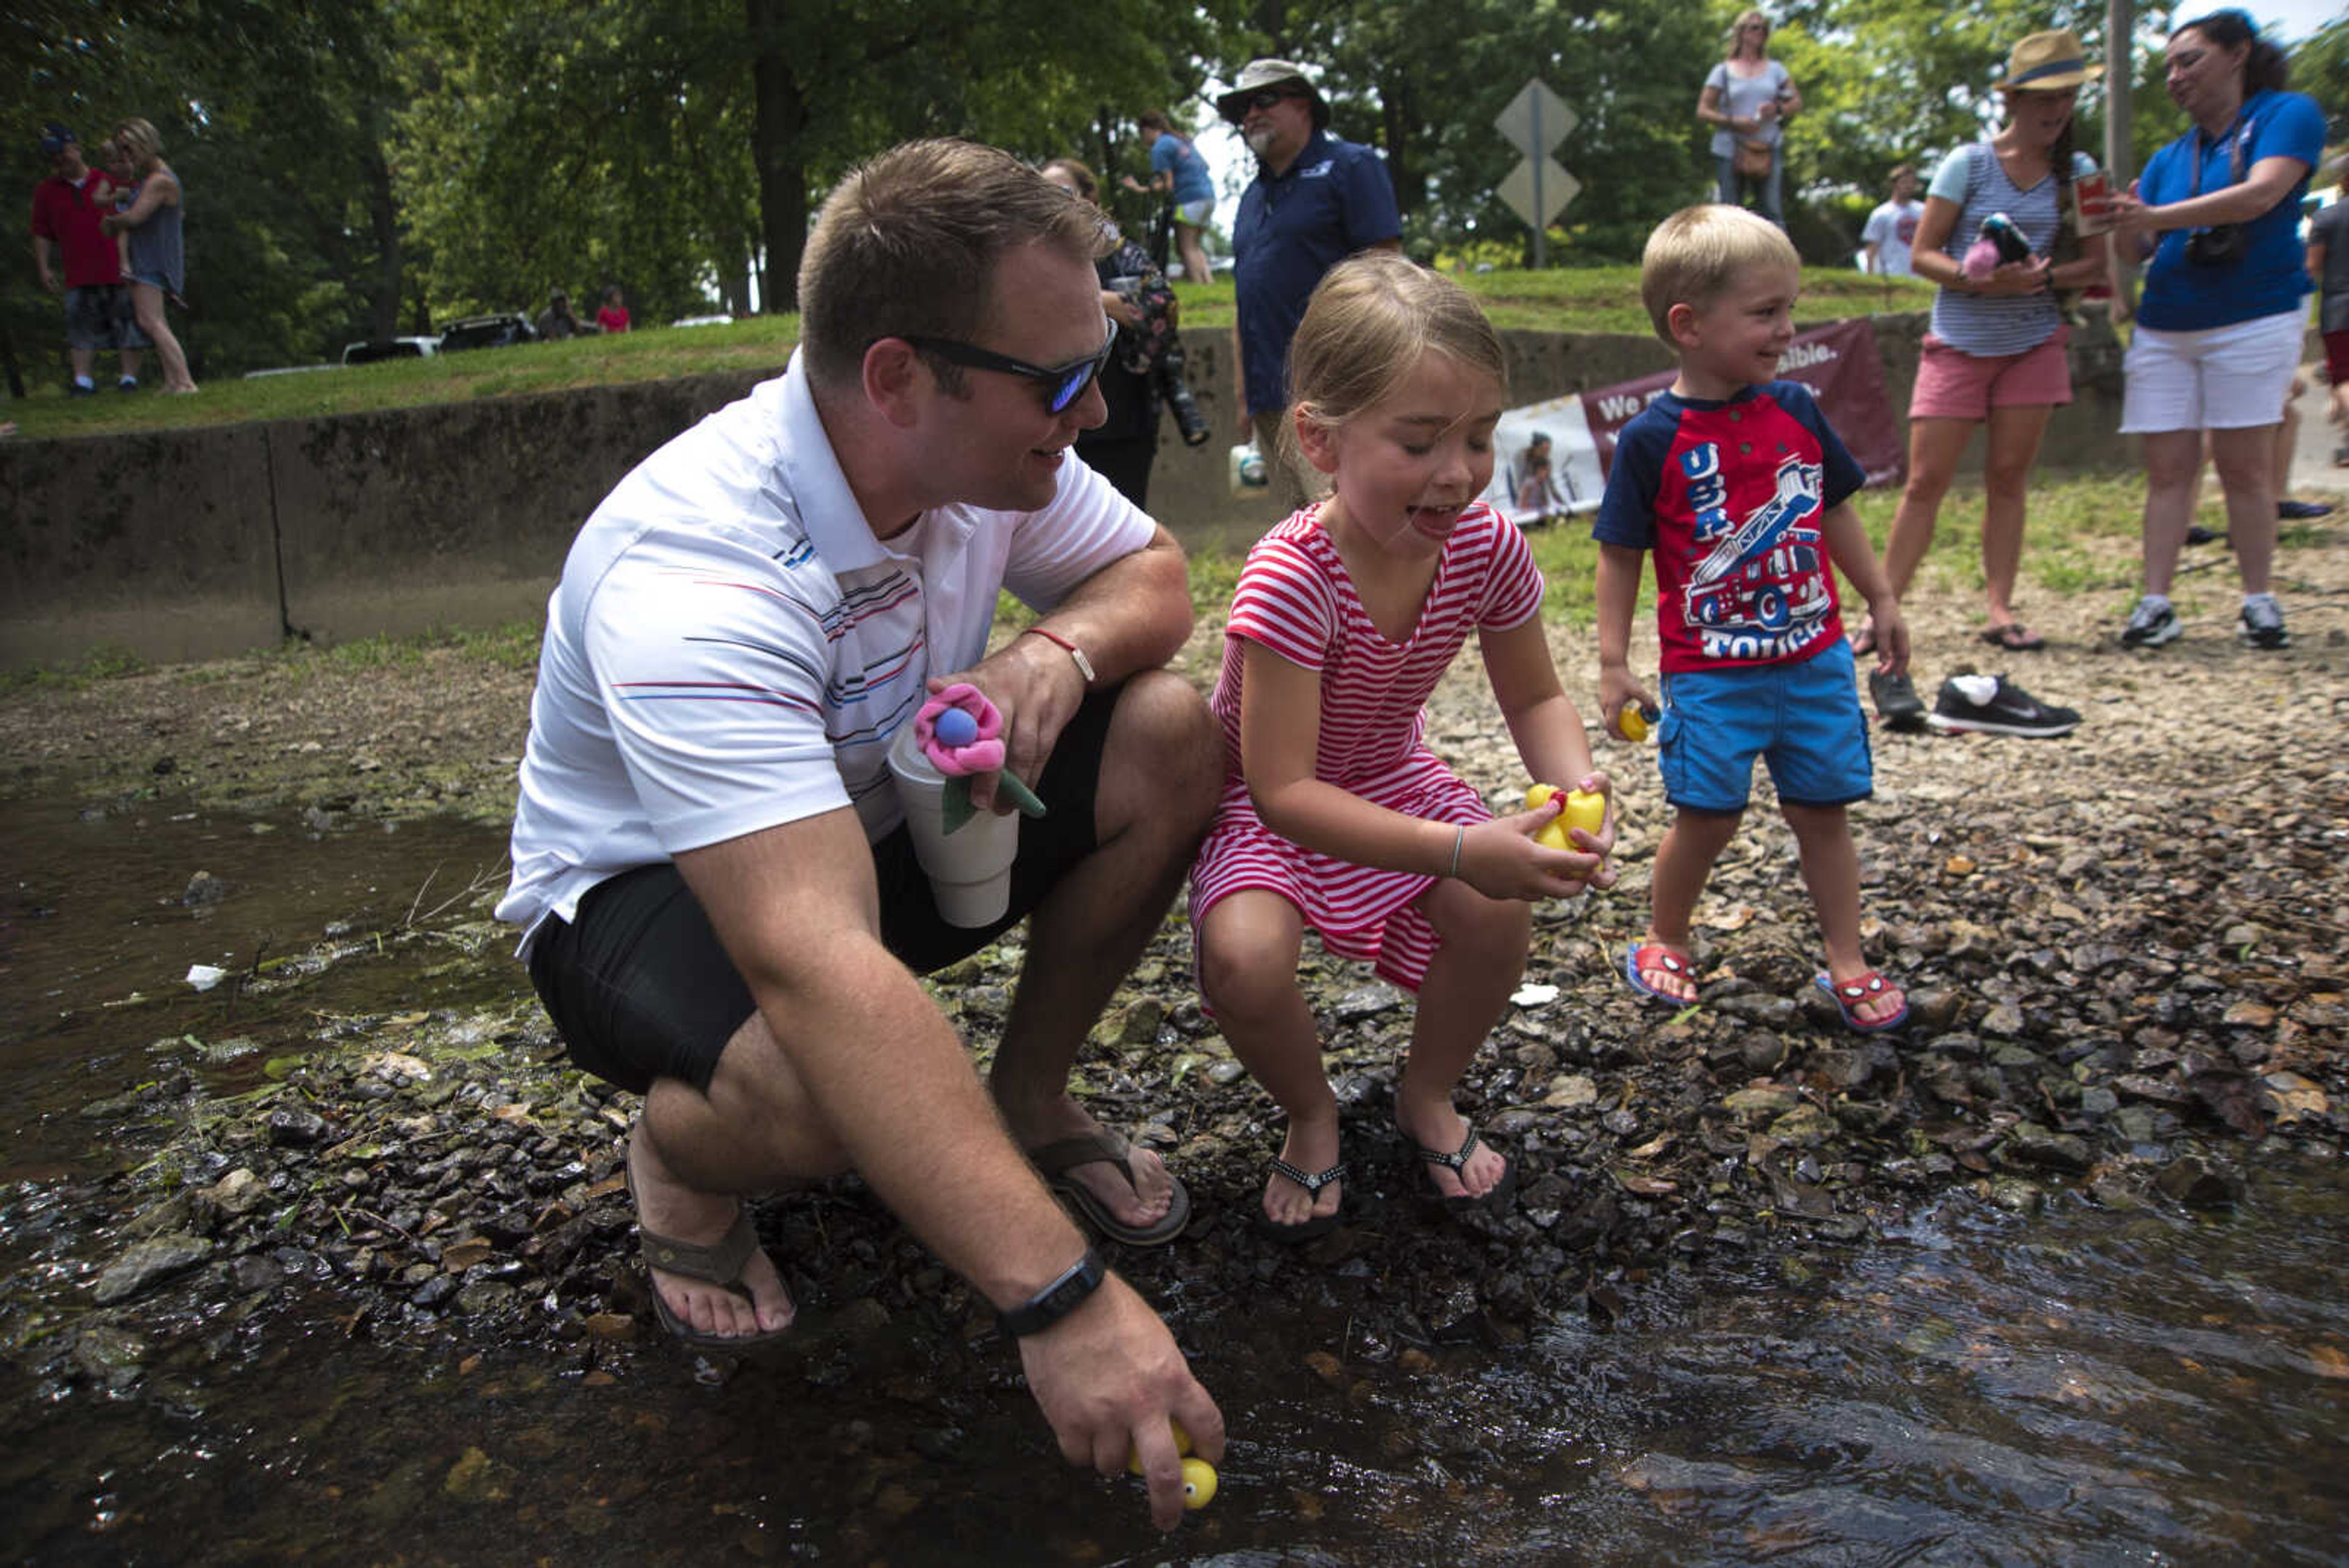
2220 246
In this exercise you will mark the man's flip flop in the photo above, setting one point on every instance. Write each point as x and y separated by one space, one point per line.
1319 1224
1494 1201
1849 994
1655 955
720 1264
1056 1159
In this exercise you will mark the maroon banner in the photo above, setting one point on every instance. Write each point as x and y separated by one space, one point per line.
1837 362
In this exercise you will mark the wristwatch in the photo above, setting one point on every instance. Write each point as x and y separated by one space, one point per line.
1055 1301
1084 665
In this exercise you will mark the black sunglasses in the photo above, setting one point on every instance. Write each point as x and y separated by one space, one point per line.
1062 384
1263 98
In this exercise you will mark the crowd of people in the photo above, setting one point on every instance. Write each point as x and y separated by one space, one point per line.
723 904
721 901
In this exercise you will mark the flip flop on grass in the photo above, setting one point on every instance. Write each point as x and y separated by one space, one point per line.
2015 636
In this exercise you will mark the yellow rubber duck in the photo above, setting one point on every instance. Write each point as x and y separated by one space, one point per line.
1198 1475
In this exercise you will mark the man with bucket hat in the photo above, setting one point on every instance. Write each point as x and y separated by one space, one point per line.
75 258
1316 200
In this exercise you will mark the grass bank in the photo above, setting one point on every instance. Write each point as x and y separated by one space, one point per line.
1584 299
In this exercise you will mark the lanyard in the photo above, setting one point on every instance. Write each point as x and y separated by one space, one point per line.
2234 153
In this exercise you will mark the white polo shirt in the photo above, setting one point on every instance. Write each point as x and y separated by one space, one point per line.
731 649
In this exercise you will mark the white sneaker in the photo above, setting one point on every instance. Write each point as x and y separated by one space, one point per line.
2151 624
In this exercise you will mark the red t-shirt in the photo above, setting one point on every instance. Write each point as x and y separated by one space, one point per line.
64 214
612 319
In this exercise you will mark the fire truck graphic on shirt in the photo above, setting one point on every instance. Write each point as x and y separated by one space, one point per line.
1760 593
1730 498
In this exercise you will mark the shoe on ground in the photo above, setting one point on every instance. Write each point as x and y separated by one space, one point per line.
80 389
2150 624
128 384
2198 535
1897 702
2261 625
2301 511
1993 705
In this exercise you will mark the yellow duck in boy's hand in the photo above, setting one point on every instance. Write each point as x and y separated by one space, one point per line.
1198 1475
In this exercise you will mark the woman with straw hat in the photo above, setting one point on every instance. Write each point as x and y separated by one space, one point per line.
1995 356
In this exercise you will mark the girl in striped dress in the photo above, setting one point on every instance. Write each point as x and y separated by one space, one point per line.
1335 814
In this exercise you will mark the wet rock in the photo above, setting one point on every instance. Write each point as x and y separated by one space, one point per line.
1757 1101
110 1354
1804 1127
480 1296
203 889
2193 1183
253 1273
2028 1143
291 1126
238 1193
147 1261
1141 1022
2017 1196
434 1291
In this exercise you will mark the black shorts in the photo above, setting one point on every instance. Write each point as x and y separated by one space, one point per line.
640 988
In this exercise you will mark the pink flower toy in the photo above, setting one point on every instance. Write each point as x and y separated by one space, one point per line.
961 733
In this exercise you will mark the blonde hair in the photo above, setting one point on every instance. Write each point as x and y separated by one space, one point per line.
908 243
138 140
1737 32
1699 252
1373 318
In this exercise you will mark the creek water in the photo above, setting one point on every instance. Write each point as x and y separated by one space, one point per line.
2080 1387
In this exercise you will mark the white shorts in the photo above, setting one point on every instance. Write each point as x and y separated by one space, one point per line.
1195 213
2224 377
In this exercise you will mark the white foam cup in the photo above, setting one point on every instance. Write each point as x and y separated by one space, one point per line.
970 869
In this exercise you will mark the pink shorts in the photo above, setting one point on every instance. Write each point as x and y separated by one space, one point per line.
2336 357
1952 384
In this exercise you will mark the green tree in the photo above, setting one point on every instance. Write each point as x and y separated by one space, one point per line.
1423 79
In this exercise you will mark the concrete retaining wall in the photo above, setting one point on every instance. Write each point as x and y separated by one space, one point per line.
196 544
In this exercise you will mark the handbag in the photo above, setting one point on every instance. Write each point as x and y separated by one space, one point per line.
1752 158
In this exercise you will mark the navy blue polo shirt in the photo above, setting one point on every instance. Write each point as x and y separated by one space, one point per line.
1334 200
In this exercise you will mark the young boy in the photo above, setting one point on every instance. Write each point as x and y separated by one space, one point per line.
1735 484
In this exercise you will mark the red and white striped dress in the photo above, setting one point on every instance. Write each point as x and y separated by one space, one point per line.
1295 599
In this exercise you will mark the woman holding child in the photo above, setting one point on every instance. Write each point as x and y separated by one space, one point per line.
2219 329
158 260
1747 99
1995 358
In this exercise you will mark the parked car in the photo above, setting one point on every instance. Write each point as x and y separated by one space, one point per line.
498 331
369 352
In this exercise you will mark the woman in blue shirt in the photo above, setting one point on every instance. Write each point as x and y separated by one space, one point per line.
2218 330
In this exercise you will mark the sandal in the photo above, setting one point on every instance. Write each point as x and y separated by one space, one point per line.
1849 994
1863 642
2013 637
1493 1202
1319 1224
720 1264
1054 1160
1656 955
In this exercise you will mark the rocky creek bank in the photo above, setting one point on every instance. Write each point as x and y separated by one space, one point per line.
2125 952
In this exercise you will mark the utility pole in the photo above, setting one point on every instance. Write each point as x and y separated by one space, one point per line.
2120 165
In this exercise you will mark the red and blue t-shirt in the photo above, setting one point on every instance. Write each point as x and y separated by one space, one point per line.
1728 496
